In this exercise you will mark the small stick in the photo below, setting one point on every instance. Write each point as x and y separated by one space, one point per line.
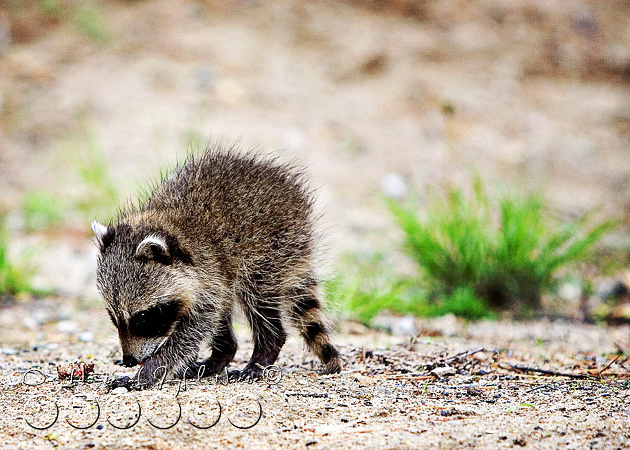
407 376
608 365
428 342
546 372
466 353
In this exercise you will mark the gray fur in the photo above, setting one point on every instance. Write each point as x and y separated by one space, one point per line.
222 228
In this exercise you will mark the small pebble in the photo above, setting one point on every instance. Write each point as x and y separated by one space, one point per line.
86 336
205 77
30 322
65 313
40 316
398 326
570 291
443 371
67 327
119 391
394 186
405 326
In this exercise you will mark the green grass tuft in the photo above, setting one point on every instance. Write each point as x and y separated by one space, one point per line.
504 252
475 256
41 210
91 21
462 302
365 288
51 8
369 286
98 196
15 275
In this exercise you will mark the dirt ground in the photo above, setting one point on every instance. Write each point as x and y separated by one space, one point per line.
452 386
372 97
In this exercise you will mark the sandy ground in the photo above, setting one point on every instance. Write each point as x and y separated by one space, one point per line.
361 93
454 385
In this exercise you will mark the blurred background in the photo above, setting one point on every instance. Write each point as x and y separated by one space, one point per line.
412 117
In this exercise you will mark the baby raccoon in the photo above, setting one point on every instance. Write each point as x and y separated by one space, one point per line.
222 227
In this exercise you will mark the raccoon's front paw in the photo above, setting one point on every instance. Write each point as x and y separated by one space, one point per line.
251 372
236 376
202 369
149 373
126 382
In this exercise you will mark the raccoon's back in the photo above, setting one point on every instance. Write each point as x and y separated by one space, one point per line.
247 206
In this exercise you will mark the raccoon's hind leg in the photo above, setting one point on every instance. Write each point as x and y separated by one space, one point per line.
223 350
263 314
306 315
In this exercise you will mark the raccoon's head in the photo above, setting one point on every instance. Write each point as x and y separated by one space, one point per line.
145 279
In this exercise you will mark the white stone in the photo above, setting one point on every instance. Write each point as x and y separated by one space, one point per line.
67 327
394 186
404 326
443 371
570 291
86 336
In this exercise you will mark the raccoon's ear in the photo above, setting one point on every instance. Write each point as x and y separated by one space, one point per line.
103 234
154 248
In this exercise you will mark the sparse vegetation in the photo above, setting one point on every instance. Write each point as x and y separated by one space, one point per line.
369 286
92 194
41 210
98 196
504 251
15 274
51 7
90 20
194 141
31 19
475 255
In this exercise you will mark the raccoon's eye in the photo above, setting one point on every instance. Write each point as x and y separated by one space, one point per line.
154 321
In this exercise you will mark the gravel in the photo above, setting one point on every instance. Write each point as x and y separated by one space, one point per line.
478 386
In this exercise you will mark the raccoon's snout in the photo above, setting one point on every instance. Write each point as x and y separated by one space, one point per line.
129 361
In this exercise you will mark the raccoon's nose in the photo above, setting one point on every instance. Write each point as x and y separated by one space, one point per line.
129 360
